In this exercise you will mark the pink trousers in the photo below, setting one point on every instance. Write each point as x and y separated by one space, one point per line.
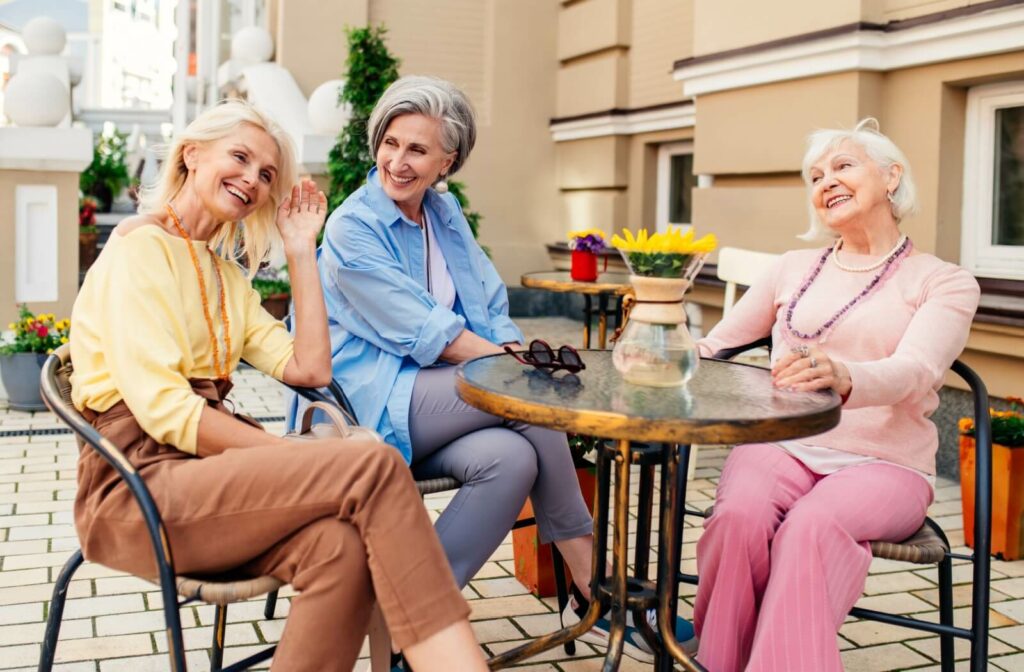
785 555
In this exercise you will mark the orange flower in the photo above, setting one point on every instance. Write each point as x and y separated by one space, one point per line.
965 425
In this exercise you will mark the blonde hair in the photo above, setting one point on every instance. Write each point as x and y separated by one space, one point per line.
258 232
879 148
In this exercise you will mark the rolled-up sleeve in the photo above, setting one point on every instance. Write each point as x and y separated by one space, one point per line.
503 329
146 334
391 310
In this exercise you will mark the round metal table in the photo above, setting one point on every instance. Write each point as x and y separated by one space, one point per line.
724 402
607 285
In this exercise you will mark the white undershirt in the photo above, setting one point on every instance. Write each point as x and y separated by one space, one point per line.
826 461
440 286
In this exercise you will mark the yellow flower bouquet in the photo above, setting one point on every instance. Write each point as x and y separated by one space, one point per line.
669 254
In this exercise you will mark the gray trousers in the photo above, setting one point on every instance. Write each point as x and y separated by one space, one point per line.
499 463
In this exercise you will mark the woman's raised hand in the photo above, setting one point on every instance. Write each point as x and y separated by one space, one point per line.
301 216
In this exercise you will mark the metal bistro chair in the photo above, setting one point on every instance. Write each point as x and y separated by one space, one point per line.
219 590
929 545
380 640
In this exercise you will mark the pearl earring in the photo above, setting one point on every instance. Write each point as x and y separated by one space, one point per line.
441 186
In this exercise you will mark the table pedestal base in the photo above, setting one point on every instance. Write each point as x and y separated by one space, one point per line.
620 592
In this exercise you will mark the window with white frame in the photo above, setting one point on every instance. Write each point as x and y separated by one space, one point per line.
992 239
676 182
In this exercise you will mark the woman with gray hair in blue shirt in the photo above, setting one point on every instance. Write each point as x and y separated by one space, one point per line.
410 294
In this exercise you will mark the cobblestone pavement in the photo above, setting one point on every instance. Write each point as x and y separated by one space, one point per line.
113 622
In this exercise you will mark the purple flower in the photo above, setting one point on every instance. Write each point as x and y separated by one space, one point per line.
589 243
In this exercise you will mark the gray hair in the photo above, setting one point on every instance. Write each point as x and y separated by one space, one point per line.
879 148
432 97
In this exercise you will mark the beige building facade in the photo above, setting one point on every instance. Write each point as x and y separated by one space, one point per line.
694 112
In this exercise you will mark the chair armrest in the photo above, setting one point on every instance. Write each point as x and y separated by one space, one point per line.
730 353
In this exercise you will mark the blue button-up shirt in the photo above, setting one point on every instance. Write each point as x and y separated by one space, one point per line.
384 325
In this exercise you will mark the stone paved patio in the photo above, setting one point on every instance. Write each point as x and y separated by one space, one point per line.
113 622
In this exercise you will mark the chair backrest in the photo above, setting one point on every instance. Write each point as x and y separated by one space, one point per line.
740 267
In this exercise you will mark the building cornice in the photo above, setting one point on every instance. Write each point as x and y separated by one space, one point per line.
623 121
978 30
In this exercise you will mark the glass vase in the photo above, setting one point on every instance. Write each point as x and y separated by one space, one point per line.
655 348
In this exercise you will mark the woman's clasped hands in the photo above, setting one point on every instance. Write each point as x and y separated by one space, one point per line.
806 368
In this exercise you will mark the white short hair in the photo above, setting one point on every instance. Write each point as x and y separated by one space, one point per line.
879 148
432 97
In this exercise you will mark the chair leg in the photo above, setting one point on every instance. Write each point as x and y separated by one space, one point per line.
60 594
947 657
562 591
380 642
271 606
220 623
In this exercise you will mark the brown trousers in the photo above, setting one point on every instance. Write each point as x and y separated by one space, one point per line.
340 521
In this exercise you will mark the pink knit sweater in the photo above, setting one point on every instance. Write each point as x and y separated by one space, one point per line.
897 342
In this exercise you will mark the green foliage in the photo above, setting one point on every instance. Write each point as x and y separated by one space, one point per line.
270 281
580 445
36 333
658 264
1007 426
458 189
107 175
371 70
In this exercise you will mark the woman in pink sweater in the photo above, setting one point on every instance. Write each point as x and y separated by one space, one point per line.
786 553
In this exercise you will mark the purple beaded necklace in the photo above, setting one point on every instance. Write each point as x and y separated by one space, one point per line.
822 333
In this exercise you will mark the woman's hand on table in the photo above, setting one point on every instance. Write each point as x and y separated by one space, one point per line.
808 368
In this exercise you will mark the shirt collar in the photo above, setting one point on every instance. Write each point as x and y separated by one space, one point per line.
439 208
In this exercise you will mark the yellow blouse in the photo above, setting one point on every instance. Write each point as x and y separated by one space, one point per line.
138 332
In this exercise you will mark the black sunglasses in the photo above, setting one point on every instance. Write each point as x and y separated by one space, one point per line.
541 356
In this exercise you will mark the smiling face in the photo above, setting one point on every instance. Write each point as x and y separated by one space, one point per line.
235 174
410 159
849 189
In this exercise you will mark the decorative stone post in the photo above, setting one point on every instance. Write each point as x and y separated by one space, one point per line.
39 168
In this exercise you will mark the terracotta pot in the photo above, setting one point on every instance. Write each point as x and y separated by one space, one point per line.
1007 497
533 559
20 374
86 250
277 305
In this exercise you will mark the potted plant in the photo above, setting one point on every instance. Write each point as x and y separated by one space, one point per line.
1007 479
585 246
107 176
22 355
87 232
533 559
275 290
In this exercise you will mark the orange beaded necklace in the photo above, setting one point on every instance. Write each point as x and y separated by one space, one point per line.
222 374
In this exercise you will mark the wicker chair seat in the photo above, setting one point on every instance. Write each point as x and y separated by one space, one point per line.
430 486
224 588
924 547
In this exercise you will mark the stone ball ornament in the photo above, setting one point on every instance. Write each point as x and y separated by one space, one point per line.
36 99
252 45
326 116
43 36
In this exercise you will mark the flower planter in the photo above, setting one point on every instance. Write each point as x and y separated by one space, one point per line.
584 266
277 305
1007 497
20 374
534 568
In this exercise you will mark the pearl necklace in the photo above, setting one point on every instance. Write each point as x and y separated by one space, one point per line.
864 269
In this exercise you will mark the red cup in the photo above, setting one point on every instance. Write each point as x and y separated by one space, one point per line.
584 266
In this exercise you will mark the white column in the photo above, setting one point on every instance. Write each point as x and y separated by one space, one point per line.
179 109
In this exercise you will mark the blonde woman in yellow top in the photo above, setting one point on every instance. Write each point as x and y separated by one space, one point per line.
160 324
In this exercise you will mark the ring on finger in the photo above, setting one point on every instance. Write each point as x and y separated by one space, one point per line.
814 362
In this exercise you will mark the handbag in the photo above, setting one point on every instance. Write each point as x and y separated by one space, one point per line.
341 426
